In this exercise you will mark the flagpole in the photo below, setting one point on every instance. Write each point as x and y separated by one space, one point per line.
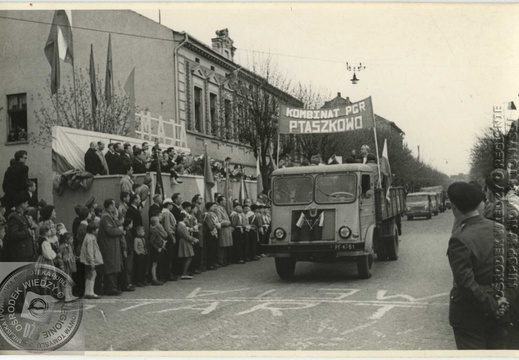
376 147
277 161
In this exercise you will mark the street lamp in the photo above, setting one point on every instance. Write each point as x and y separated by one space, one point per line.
355 68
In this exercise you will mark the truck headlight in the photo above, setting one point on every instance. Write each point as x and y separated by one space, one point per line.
408 208
280 234
344 232
426 207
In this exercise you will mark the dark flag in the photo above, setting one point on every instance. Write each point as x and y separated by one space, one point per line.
93 88
129 88
109 79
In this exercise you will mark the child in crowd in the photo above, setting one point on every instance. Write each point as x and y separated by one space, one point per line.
185 245
140 257
46 252
127 251
81 231
210 233
91 257
158 239
66 243
238 234
192 226
255 233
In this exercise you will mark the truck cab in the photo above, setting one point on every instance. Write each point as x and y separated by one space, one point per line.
329 213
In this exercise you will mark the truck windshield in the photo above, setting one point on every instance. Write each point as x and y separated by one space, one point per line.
293 190
417 198
333 188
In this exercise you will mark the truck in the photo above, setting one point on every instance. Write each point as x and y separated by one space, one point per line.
333 213
441 195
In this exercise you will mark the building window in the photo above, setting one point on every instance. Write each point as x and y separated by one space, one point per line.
197 60
227 118
17 115
214 114
198 110
212 68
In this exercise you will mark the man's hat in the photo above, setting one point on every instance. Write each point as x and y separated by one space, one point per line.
254 207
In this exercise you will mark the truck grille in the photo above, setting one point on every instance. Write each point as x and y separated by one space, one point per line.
306 227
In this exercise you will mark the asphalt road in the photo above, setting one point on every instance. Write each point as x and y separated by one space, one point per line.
404 306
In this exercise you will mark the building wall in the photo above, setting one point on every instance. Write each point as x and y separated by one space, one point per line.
188 78
25 68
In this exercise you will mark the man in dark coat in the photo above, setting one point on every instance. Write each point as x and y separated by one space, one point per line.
109 239
20 244
110 158
478 317
139 162
134 213
93 163
15 178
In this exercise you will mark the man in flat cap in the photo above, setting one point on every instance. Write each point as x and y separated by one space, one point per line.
477 316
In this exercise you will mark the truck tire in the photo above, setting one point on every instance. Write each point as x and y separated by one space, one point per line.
410 217
428 216
365 266
436 213
392 247
285 267
381 252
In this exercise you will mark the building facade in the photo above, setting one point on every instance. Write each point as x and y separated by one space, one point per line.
178 80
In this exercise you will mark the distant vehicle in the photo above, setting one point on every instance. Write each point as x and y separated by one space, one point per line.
438 190
419 204
333 213
434 203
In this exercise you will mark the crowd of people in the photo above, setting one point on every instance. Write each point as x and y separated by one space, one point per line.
99 161
108 249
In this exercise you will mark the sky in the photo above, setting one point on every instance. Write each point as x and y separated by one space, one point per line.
436 70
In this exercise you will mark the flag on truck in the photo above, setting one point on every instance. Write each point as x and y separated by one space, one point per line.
385 169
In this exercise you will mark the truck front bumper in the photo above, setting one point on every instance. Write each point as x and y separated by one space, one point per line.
309 251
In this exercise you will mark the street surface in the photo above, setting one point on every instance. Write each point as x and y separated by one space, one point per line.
404 306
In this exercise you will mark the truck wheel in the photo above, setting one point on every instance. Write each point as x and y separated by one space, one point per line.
428 216
410 217
436 213
285 267
364 266
392 247
381 252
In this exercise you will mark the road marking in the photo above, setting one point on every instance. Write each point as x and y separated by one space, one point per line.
136 306
198 292
277 311
265 293
381 295
343 292
205 309
385 308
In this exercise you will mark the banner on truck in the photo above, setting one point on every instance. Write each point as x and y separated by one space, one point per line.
356 116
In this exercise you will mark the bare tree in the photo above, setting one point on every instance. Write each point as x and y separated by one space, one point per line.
60 110
258 93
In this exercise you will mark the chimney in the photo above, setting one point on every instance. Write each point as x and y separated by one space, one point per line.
338 94
223 44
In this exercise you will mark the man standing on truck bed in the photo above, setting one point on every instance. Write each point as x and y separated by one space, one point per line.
477 317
